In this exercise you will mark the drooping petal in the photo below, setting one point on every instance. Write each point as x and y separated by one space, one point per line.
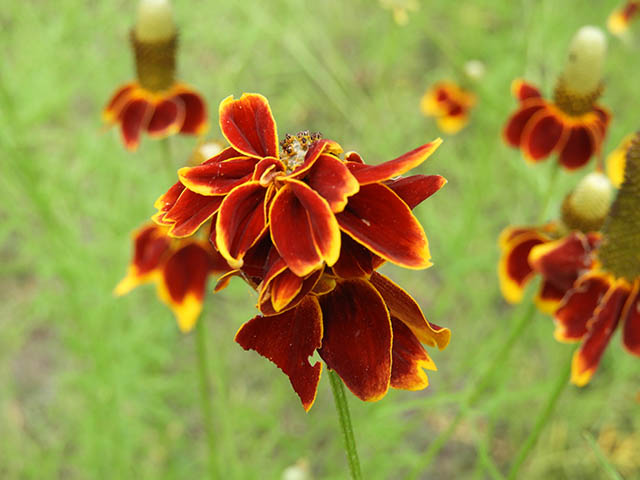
367 174
134 118
333 181
217 178
189 212
248 125
514 270
409 358
166 201
167 118
285 291
548 297
601 328
403 307
631 319
578 306
378 219
522 90
184 279
517 123
195 111
241 222
118 100
357 338
303 228
355 260
580 146
288 340
415 189
543 134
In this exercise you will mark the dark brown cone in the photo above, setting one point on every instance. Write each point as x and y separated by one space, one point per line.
155 62
573 104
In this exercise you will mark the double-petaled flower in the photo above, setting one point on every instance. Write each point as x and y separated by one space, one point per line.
571 125
450 104
307 228
155 103
179 268
619 20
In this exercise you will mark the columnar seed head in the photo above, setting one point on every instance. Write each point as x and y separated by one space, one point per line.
155 21
583 70
586 207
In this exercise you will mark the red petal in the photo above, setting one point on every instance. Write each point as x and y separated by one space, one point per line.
195 112
514 269
333 181
189 212
544 133
303 228
578 306
166 201
283 292
240 222
357 338
217 178
134 117
601 329
355 260
416 189
288 340
166 119
549 297
249 126
580 146
118 100
523 90
378 219
366 174
517 123
409 359
403 307
631 319
316 149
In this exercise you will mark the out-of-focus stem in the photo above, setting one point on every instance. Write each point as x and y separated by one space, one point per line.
345 424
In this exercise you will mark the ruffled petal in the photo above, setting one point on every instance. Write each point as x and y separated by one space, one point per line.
416 189
167 118
409 359
601 328
378 219
284 290
581 145
543 134
631 319
357 338
241 222
404 308
518 121
333 181
288 340
579 305
367 174
217 178
303 228
134 118
248 125
189 212
195 111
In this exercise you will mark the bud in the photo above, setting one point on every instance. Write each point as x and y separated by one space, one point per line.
583 70
586 207
155 21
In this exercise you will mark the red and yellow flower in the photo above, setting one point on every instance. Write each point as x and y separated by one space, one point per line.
307 227
179 268
450 104
572 125
155 103
619 20
616 161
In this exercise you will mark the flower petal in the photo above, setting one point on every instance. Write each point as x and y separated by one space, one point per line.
367 174
195 111
134 118
166 201
579 305
454 120
303 228
167 118
333 181
118 100
581 145
403 307
518 121
415 189
355 260
631 319
549 297
523 90
189 212
357 338
543 134
514 270
378 219
409 358
288 340
283 292
317 148
249 126
601 328
217 178
241 222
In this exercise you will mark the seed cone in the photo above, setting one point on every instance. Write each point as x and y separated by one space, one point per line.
586 207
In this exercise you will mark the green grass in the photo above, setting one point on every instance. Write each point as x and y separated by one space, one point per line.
97 387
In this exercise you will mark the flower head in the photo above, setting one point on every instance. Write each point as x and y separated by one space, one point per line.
155 103
450 104
572 125
619 20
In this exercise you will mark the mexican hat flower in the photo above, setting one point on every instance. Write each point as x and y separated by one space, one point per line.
178 267
619 20
559 252
571 125
155 103
450 104
608 297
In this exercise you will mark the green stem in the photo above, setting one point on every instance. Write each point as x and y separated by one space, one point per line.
553 180
345 423
205 394
542 420
167 159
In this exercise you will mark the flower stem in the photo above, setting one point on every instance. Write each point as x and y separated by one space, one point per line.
542 420
205 395
167 159
345 423
553 179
